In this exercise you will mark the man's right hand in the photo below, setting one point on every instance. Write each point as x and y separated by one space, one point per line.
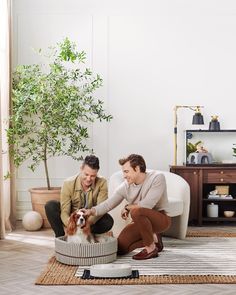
124 213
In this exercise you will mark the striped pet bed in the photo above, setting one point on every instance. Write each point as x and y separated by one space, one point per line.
85 254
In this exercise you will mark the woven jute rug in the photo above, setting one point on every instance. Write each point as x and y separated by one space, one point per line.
60 274
195 260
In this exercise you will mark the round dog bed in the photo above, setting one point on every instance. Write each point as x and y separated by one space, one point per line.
86 254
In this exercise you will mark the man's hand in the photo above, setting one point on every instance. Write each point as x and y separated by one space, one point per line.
126 210
88 212
124 213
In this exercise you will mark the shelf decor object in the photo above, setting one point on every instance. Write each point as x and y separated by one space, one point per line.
229 214
212 210
217 143
214 124
222 189
197 120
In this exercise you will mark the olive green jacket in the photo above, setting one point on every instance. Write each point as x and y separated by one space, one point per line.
72 196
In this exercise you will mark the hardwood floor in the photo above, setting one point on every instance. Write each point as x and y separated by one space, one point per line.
23 256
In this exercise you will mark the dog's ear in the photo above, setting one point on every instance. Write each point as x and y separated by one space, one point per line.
87 232
87 227
71 227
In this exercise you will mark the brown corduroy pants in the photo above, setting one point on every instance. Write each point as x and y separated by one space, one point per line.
139 232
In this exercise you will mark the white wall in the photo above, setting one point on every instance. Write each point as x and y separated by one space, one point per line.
152 55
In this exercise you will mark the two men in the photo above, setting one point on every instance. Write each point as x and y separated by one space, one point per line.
145 192
146 195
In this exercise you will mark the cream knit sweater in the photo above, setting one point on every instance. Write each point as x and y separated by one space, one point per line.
149 194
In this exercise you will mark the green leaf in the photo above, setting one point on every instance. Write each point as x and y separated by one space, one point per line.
52 105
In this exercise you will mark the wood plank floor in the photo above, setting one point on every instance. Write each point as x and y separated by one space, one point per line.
23 256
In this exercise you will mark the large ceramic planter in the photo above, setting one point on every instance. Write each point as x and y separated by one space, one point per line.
40 196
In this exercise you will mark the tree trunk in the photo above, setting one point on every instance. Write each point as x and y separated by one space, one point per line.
46 165
46 172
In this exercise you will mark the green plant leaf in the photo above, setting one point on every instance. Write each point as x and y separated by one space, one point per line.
52 106
192 147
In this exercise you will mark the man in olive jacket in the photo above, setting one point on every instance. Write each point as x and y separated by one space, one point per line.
84 190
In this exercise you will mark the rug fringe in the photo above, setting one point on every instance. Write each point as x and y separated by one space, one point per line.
223 234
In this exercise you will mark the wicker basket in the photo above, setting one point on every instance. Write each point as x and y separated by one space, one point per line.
85 254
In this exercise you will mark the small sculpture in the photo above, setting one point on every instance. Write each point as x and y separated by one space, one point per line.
214 118
214 124
201 149
200 156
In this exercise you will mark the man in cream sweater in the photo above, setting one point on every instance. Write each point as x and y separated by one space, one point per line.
146 195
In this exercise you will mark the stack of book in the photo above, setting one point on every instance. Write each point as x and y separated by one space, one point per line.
220 197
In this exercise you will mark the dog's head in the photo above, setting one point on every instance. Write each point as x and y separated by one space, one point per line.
77 219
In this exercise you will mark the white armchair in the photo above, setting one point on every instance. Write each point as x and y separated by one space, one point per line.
178 193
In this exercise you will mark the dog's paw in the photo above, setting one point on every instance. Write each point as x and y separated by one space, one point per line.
101 238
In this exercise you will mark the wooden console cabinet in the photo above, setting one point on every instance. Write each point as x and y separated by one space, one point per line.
202 180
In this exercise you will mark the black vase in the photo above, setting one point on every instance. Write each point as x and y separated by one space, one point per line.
214 125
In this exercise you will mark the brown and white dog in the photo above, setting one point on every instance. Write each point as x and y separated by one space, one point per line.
78 229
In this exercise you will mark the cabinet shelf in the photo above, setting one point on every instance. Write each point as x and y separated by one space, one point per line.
202 180
218 200
219 143
210 131
219 219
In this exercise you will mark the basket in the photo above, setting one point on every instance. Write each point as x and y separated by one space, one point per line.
86 254
222 189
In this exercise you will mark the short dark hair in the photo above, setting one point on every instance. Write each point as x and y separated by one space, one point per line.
135 160
92 161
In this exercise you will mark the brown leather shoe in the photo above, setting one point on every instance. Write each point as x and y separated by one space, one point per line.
159 244
144 255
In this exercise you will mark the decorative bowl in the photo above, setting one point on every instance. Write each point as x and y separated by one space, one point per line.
229 213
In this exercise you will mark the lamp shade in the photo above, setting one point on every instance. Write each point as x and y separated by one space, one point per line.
198 119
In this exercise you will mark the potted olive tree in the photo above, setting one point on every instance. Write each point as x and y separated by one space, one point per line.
52 105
